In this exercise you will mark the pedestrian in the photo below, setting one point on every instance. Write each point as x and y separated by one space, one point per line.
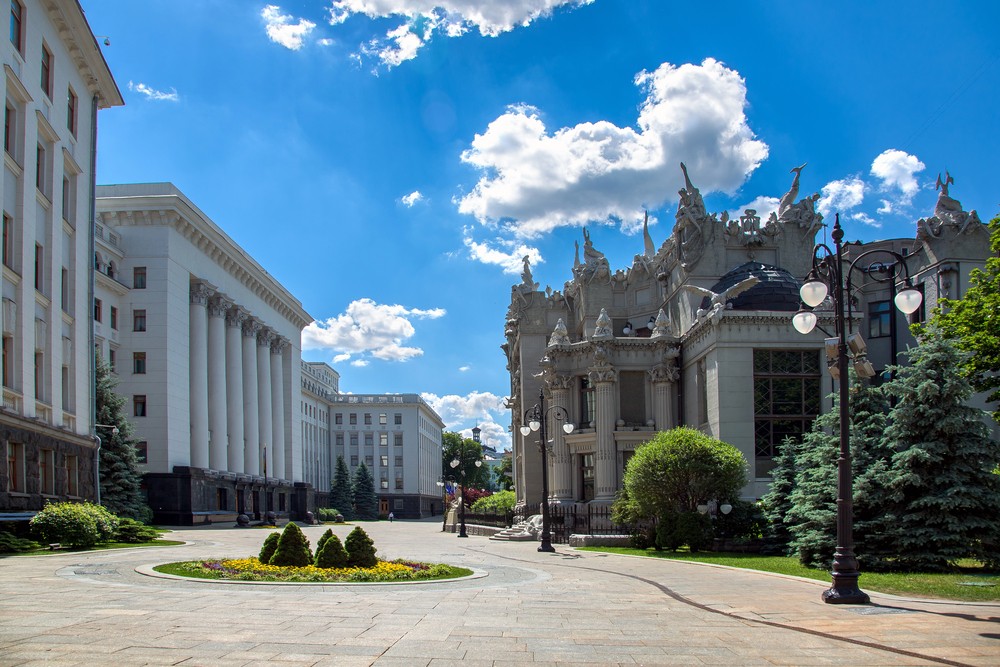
391 517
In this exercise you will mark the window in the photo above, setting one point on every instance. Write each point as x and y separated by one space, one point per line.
139 405
383 439
8 359
16 24
114 318
399 483
879 313
786 388
369 440
384 461
46 472
338 419
354 440
369 460
383 419
98 310
398 503
139 320
139 277
64 290
368 419
586 402
39 376
385 483
142 452
139 363
40 168
39 266
354 418
397 419
46 73
113 359
72 476
71 106
397 439
354 460
587 476
15 467
920 314
67 403
399 461
8 241
8 129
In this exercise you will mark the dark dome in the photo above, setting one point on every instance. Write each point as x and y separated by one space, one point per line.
777 289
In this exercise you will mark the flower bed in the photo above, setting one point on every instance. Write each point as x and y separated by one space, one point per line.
251 569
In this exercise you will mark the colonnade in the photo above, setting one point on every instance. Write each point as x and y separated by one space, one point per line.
237 390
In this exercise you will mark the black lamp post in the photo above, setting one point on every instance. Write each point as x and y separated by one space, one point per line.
455 463
534 419
827 277
97 459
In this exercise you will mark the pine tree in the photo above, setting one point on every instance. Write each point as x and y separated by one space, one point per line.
120 476
341 493
777 501
944 491
332 554
365 500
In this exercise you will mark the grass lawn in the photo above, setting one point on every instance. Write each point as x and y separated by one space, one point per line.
970 583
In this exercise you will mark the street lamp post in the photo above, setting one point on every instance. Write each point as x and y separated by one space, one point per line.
443 483
455 463
534 419
827 277
97 459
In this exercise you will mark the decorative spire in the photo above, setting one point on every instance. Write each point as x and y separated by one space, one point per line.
650 249
662 326
603 330
559 334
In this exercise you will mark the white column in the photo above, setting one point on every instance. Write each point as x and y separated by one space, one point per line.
218 439
264 339
234 386
605 468
664 377
560 463
251 434
198 373
278 406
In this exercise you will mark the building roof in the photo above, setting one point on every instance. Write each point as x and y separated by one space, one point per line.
777 289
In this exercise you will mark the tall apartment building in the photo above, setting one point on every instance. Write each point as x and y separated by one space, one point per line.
55 81
320 384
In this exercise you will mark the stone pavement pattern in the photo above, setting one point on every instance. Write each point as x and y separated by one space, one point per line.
568 608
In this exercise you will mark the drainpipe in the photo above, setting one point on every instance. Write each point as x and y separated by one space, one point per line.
88 308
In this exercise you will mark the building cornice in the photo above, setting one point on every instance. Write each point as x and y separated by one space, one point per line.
70 22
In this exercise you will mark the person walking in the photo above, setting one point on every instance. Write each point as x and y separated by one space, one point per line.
391 517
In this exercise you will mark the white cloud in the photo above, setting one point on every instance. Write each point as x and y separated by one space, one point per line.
534 180
865 219
422 18
841 195
511 261
898 170
456 409
370 328
359 363
886 207
412 198
464 369
764 205
281 30
340 358
152 93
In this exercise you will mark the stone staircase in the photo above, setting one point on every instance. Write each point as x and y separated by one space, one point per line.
525 531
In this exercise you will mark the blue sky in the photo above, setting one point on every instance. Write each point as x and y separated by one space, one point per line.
391 161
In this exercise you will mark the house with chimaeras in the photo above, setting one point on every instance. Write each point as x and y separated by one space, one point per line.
698 332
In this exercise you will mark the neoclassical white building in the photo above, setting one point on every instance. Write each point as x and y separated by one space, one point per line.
206 346
55 82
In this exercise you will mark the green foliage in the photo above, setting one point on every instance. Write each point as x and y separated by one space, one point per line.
745 521
322 540
503 474
332 553
678 470
328 514
677 529
365 500
74 524
121 478
133 532
292 549
973 323
341 491
360 549
466 451
10 543
498 503
776 503
267 550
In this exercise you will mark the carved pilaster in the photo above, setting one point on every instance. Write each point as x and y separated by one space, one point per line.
602 374
664 372
251 327
200 293
236 317
559 382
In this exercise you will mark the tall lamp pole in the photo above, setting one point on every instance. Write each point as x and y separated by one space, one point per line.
455 463
97 459
534 419
828 277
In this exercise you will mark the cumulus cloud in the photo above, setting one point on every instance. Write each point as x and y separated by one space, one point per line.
412 198
368 328
282 30
421 19
511 260
152 93
764 206
534 180
464 369
477 408
865 219
841 195
897 172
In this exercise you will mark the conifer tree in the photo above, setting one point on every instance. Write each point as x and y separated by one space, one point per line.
120 476
341 493
365 500
292 548
332 554
777 501
360 549
944 491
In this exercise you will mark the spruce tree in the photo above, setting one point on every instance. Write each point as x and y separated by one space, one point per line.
120 476
944 492
341 493
365 500
777 501
292 549
332 554
360 549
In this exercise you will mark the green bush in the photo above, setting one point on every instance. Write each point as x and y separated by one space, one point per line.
10 543
267 550
360 549
322 540
746 521
74 524
134 532
498 503
676 529
293 548
332 554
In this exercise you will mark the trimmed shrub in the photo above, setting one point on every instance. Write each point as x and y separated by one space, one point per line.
134 532
499 502
74 524
267 550
360 549
332 554
322 540
10 543
293 548
675 529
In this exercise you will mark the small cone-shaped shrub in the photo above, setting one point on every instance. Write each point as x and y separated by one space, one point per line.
270 544
322 540
332 554
360 549
293 548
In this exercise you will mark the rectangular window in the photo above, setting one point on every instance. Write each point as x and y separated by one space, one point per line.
113 359
71 106
586 402
39 376
368 419
8 129
397 439
39 266
139 363
98 310
139 277
139 320
397 419
142 452
72 476
587 476
383 419
786 388
16 24
15 467
354 440
369 460
40 168
369 440
67 404
920 314
354 418
399 483
338 419
354 460
399 461
46 472
139 405
340 439
384 461
385 483
879 313
46 72
632 397
8 359
398 503
383 439
114 318
64 290
8 241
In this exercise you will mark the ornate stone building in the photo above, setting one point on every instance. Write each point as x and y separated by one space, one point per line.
698 333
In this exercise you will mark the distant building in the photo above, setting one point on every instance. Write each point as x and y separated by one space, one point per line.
698 333
55 80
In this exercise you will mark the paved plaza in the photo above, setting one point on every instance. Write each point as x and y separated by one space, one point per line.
524 608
